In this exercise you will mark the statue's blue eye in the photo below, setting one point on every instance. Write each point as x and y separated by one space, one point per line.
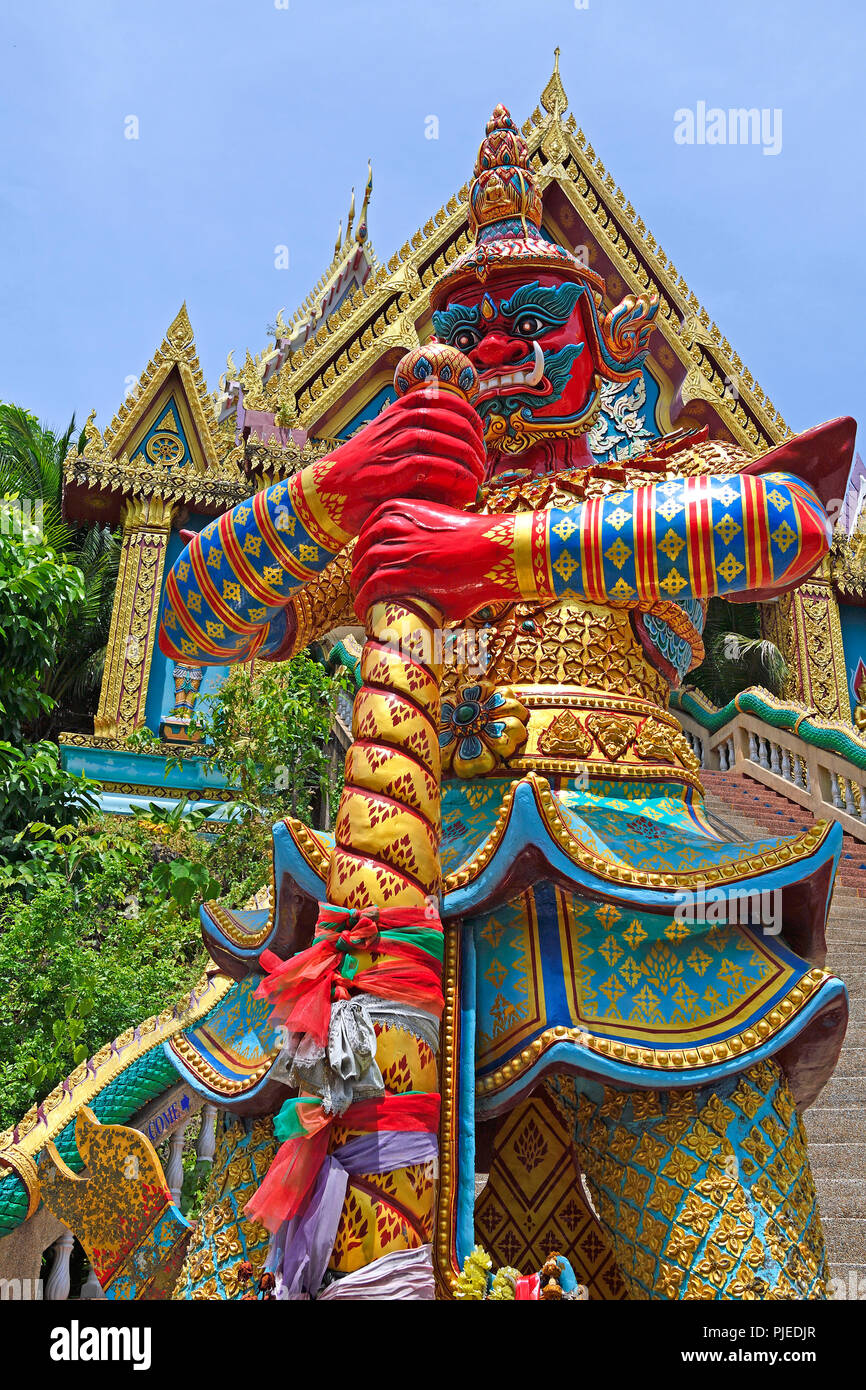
528 325
464 339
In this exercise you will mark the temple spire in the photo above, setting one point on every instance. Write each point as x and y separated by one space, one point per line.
361 234
553 98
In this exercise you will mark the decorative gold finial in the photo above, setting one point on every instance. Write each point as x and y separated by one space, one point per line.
361 234
339 242
281 328
553 98
351 221
251 381
91 434
231 369
286 414
180 330
503 186
95 447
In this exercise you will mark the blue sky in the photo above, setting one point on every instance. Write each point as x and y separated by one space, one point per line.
256 118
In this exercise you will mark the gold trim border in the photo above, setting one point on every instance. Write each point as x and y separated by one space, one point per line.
190 1055
244 941
670 1059
798 848
743 867
449 1069
88 1079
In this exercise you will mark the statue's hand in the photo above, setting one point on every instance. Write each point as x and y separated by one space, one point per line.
415 548
429 444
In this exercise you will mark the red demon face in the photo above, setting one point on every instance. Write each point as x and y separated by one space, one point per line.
527 339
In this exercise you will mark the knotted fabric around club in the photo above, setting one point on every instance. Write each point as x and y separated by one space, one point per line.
304 1127
405 945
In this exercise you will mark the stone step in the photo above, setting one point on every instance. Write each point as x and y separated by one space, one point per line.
852 1279
830 1124
841 1197
845 1091
846 962
850 967
846 1242
852 1061
838 1160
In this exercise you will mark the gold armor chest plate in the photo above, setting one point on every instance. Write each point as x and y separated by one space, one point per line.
593 697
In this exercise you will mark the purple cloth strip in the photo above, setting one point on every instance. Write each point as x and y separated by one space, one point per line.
308 1239
387 1149
404 1274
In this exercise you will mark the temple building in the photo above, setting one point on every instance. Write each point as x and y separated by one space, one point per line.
554 992
176 455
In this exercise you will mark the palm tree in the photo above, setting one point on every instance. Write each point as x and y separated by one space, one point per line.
737 656
31 468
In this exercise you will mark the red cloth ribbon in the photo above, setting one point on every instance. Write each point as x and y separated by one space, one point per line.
303 987
528 1286
293 1172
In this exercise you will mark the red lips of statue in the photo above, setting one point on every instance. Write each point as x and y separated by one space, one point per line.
508 377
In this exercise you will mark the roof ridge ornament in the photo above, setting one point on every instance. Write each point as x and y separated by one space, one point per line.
250 379
361 234
553 98
179 333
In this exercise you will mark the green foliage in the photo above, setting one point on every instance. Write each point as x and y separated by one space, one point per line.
39 595
182 881
194 1187
170 819
99 915
737 657
99 929
34 788
269 733
31 481
97 949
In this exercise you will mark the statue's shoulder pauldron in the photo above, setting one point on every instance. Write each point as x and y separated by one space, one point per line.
684 454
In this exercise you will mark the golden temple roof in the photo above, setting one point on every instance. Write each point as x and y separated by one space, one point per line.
328 362
386 316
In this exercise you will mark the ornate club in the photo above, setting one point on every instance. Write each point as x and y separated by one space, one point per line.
388 823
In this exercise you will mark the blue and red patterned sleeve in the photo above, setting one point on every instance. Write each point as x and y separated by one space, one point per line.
226 596
684 538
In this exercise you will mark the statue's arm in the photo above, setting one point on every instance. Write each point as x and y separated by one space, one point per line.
686 538
227 596
316 608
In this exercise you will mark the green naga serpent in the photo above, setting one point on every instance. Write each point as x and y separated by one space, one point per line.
486 965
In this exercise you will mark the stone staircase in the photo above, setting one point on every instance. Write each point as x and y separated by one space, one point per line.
836 1123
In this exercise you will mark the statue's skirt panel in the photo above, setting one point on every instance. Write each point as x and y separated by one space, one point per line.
617 933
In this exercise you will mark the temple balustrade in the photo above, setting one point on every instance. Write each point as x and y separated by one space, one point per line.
818 763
